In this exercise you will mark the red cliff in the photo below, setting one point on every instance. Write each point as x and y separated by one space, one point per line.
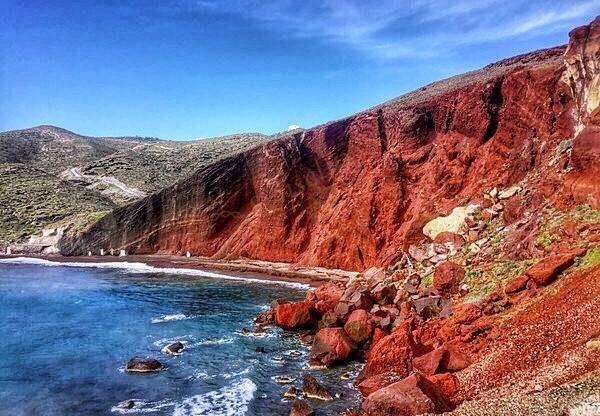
356 192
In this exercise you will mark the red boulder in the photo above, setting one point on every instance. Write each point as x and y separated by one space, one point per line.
546 270
466 313
293 315
359 326
447 276
517 284
330 346
429 363
446 385
403 398
455 358
392 353
372 384
327 296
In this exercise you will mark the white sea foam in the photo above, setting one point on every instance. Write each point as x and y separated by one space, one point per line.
142 406
163 342
212 341
228 401
145 268
172 317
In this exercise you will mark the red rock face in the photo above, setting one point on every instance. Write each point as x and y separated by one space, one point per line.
353 193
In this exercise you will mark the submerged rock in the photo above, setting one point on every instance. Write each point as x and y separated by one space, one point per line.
284 379
143 365
126 404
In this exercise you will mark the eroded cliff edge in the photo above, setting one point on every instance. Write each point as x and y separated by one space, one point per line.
356 192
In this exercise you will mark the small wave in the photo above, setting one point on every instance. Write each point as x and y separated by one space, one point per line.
142 406
212 341
228 401
163 342
172 317
134 267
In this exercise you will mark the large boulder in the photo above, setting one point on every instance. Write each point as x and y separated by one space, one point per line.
403 398
455 357
370 385
547 269
391 353
447 276
326 297
414 395
446 385
429 363
293 315
358 326
331 345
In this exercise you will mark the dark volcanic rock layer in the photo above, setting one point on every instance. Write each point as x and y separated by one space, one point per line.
355 192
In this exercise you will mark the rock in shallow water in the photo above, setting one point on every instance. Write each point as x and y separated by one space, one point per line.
314 390
173 349
301 408
126 404
143 365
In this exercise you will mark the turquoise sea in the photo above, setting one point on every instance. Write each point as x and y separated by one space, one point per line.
67 332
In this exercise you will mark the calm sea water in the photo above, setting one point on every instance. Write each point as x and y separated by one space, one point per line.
67 332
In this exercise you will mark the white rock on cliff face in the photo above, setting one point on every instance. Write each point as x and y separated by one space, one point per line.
453 222
582 68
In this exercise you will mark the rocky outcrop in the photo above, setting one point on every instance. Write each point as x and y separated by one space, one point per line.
357 192
143 365
582 74
582 67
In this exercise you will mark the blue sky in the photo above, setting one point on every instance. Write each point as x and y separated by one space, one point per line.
184 69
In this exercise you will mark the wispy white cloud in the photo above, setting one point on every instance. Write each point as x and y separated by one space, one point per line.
392 29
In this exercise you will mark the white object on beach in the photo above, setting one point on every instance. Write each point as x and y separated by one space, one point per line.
89 254
112 251
122 253
102 252
8 251
188 254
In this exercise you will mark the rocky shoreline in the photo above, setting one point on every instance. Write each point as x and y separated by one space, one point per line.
423 324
